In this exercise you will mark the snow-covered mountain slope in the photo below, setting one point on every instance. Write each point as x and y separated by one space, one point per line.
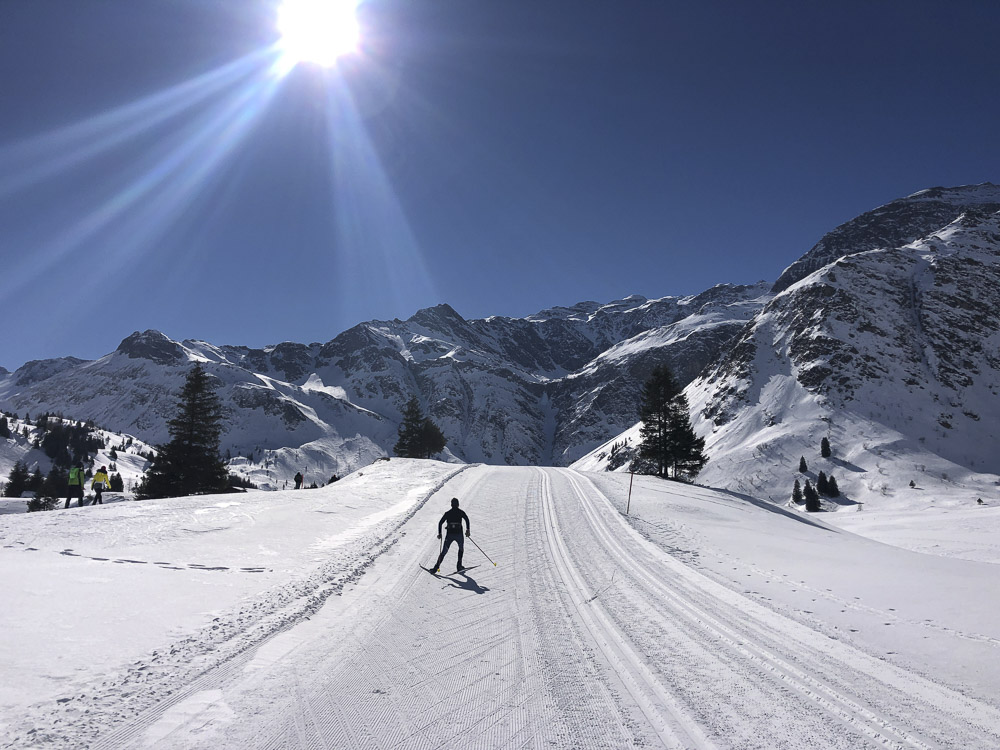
536 390
703 619
891 353
895 224
883 338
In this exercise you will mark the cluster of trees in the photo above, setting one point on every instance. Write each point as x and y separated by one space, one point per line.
419 437
67 443
669 447
826 486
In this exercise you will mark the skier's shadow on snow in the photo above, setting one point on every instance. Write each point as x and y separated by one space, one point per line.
466 582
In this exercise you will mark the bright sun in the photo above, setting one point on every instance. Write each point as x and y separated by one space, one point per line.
318 31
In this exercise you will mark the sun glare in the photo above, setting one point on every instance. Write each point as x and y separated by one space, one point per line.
318 31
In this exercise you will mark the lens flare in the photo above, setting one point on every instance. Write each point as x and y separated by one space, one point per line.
318 31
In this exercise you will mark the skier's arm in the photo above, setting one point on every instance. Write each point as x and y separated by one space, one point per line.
441 523
468 524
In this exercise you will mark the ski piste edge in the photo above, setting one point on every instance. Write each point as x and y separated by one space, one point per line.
439 574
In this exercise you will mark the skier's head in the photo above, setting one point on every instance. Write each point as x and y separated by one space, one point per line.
104 468
454 502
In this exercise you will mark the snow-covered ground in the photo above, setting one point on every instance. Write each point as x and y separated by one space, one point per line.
703 619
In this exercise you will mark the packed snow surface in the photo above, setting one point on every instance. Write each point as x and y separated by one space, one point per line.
701 619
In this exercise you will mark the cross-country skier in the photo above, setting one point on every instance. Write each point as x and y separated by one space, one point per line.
453 518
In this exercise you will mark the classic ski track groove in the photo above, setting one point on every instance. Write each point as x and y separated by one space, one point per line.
671 724
832 673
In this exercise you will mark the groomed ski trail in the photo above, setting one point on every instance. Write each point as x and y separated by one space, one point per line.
585 635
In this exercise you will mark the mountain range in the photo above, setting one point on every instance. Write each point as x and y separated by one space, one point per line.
883 337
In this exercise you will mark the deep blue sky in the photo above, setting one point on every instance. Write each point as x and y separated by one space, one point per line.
501 156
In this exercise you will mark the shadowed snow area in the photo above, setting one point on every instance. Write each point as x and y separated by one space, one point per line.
703 619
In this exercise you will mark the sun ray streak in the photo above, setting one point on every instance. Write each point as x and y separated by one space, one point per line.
148 204
375 241
44 156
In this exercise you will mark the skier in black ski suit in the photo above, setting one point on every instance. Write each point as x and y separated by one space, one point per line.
453 518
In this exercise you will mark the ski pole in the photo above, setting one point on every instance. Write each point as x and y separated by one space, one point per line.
481 550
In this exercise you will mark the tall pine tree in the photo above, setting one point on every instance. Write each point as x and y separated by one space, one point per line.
812 498
419 437
797 496
668 443
687 450
656 414
190 463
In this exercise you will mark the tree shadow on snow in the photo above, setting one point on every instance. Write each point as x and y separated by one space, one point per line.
847 465
777 509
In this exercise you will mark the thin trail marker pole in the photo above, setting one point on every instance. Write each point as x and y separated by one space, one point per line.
630 480
481 550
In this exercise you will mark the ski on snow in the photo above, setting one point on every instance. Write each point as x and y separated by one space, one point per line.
439 574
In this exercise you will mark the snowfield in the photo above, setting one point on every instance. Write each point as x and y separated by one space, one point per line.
702 619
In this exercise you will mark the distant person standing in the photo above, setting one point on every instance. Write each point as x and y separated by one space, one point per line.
453 518
101 482
298 480
75 485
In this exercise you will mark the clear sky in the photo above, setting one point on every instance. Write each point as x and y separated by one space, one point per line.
161 166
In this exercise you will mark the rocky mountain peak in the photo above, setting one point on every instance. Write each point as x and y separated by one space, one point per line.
151 345
895 224
38 370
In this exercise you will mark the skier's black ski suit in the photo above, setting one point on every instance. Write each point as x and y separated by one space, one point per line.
453 518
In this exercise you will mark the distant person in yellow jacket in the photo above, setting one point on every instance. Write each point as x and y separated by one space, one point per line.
75 485
100 483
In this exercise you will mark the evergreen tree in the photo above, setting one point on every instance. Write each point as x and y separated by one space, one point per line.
811 497
36 481
656 415
821 484
419 437
52 487
432 440
668 444
4 427
116 483
824 448
17 480
190 462
797 493
832 489
687 450
803 468
410 430
56 483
